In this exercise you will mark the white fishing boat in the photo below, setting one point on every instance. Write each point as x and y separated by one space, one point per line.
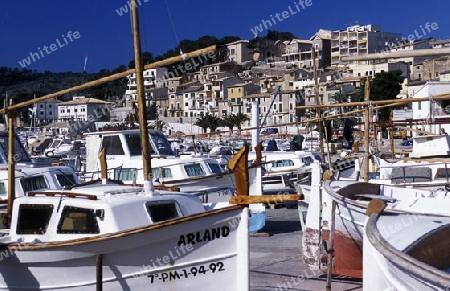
406 251
28 175
282 169
200 175
348 201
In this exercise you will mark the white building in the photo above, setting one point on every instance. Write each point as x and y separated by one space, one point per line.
429 111
82 108
45 111
153 78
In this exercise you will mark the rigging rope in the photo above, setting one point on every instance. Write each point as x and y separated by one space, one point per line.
174 30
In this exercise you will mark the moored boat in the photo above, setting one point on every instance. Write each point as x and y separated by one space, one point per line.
406 251
351 199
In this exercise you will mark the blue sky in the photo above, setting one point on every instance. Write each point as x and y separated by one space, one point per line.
104 37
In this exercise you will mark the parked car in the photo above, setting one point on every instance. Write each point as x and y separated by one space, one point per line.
270 130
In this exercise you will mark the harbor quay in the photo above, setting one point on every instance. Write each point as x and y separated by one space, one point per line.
275 258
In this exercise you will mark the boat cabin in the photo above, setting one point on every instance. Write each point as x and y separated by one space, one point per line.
47 216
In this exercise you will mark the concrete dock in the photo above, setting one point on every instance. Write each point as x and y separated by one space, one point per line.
275 258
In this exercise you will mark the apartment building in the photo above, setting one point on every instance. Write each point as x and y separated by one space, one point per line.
46 110
153 78
359 40
236 94
239 52
82 108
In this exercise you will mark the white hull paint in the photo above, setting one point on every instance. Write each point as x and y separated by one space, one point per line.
150 258
387 266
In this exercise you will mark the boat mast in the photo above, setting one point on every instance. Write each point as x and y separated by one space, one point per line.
11 162
142 112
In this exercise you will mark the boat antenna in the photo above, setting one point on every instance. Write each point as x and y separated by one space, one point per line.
139 68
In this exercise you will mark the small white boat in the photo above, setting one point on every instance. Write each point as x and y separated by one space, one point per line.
406 252
351 199
201 175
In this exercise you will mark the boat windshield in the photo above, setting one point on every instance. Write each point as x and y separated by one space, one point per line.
159 145
20 154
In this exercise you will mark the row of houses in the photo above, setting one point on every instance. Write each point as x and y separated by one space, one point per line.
280 75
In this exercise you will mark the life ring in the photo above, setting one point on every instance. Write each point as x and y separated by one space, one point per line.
49 154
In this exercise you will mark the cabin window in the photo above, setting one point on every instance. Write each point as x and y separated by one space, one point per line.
112 145
307 161
20 154
78 220
2 189
162 173
33 218
125 174
440 173
215 168
65 180
33 183
162 211
134 144
194 170
282 163
162 144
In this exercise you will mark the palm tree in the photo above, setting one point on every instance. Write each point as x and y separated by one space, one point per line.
202 122
228 121
239 119
208 121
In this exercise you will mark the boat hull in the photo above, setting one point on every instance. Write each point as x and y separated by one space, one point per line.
205 252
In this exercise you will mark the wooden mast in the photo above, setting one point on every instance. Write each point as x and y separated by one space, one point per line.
366 129
11 164
142 112
318 110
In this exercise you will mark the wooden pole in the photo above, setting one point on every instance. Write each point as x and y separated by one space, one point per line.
11 164
438 97
391 141
99 272
330 249
366 129
318 111
142 108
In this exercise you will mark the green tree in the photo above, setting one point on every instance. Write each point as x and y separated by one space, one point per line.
385 86
147 58
239 119
228 121
203 123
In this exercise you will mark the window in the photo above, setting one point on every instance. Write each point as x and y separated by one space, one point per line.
65 180
20 154
78 220
215 168
2 189
282 163
113 145
33 218
162 211
33 183
161 143
194 170
162 173
50 106
125 174
41 105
